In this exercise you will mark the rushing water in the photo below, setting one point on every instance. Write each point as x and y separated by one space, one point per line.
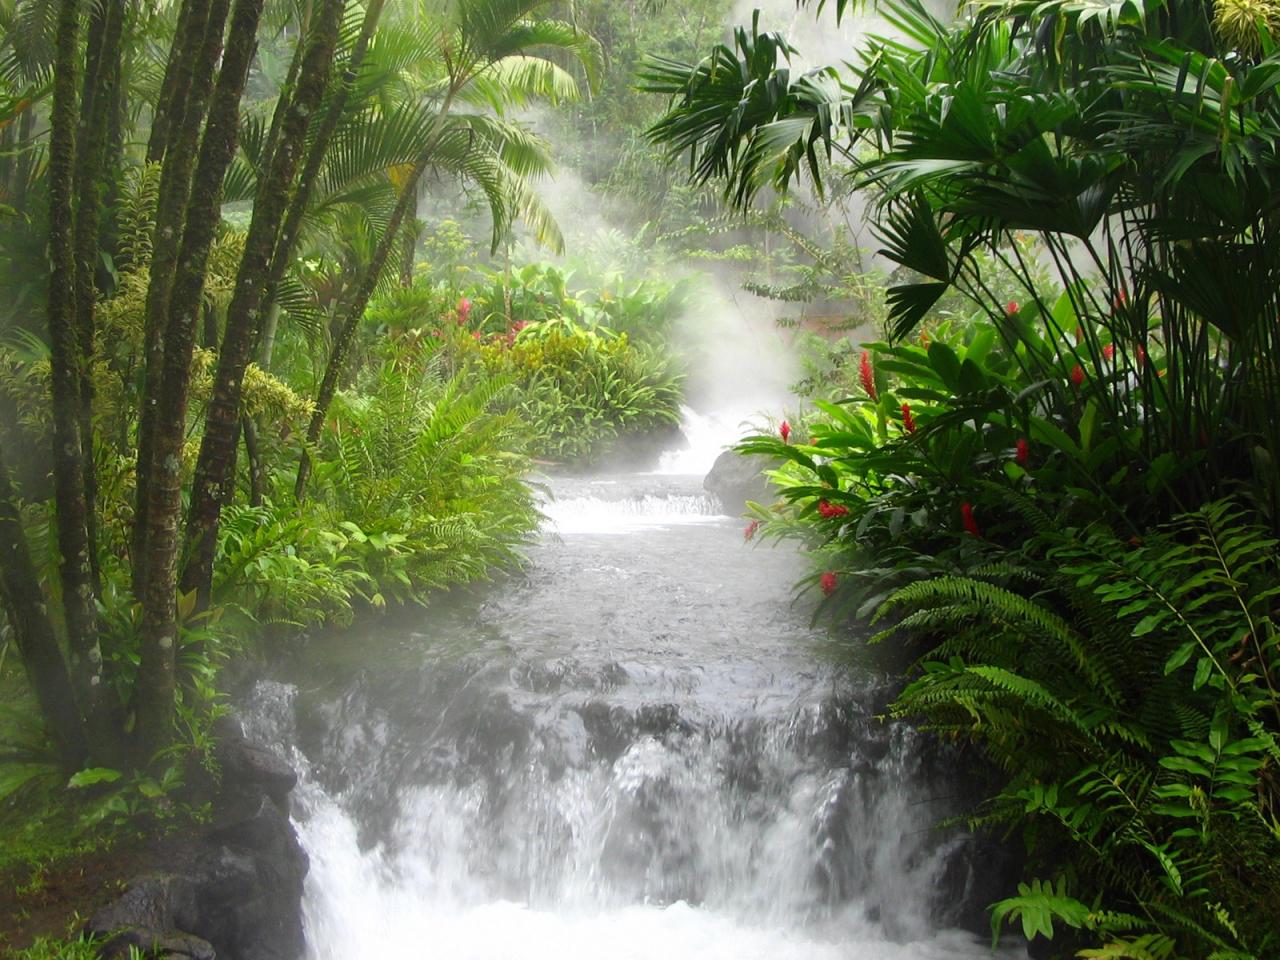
635 749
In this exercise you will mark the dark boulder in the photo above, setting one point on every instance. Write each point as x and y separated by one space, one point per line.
234 887
735 479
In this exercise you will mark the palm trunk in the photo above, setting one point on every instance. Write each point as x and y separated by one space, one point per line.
177 80
351 319
154 691
257 481
106 27
346 332
37 645
214 478
197 55
66 361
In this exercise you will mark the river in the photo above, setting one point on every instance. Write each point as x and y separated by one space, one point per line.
638 747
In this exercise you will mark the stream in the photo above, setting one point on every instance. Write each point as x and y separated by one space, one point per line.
637 747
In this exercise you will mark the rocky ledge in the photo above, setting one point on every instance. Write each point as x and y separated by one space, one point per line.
233 889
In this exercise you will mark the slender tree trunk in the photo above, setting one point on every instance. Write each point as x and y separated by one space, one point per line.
257 481
177 80
351 319
154 692
214 479
199 53
29 621
102 70
66 361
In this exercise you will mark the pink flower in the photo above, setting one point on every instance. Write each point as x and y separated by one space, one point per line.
464 311
828 583
1109 352
908 421
1011 308
784 429
970 524
1077 375
751 529
830 510
866 375
1022 451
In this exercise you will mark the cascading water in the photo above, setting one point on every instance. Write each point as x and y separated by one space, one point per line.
633 750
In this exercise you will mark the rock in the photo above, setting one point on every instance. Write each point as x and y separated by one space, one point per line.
154 902
251 767
233 889
168 945
735 479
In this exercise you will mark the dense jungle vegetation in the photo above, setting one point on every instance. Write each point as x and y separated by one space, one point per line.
293 312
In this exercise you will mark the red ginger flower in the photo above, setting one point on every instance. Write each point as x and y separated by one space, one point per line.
1141 355
970 524
1022 451
784 429
464 311
830 510
1077 375
1011 308
828 583
908 421
751 529
866 375
1109 352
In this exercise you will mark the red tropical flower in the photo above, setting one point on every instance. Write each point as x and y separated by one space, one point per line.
1141 355
784 429
970 524
751 529
1022 451
1011 308
464 311
1077 375
1109 352
908 421
866 375
830 510
828 583
924 340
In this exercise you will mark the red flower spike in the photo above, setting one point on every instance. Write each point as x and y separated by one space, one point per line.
908 421
1109 352
1022 451
970 524
464 311
1077 376
866 375
1011 308
830 510
1141 355
751 529
924 340
784 430
828 583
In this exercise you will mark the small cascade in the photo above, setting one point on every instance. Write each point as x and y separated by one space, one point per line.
634 749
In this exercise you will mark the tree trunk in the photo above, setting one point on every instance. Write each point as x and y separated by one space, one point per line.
38 646
197 58
257 480
154 691
177 80
214 479
66 361
346 333
102 70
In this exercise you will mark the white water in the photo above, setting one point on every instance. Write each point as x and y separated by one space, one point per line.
632 752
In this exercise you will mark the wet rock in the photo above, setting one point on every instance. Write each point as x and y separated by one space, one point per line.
166 945
735 479
234 888
251 767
